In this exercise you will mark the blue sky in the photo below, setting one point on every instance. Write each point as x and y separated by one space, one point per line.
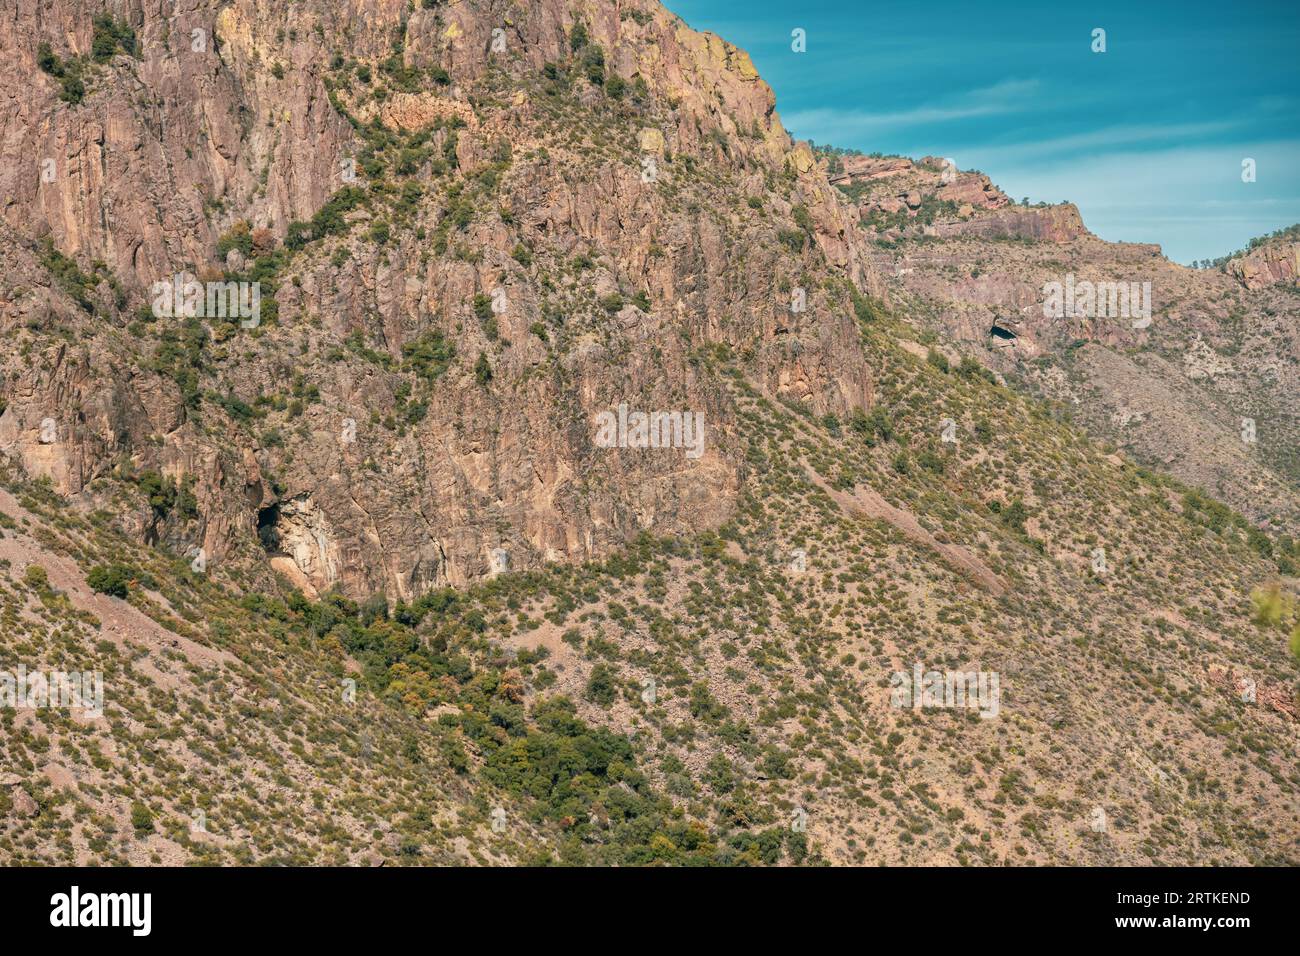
1147 138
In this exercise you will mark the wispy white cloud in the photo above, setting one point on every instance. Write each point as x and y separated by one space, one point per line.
1108 139
1008 96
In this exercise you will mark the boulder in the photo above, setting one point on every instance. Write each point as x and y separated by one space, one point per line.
23 804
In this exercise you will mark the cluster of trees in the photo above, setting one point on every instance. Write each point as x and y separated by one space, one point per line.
1287 232
250 242
166 495
111 35
580 780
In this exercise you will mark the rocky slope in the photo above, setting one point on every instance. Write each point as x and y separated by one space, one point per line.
1176 380
423 613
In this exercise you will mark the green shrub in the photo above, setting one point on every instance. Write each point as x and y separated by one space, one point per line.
47 61
593 64
110 579
109 36
578 37
141 818
428 356
601 686
792 238
35 577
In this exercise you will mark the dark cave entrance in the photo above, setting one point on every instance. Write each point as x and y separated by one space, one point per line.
1004 336
268 533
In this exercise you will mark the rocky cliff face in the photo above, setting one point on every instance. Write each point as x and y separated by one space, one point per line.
897 198
1269 264
477 272
1060 223
589 265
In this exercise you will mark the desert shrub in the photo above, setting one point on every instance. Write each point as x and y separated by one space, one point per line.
429 355
110 579
792 238
141 818
593 63
602 687
35 577
109 36
238 236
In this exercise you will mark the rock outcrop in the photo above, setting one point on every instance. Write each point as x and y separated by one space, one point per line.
1270 263
455 280
1060 223
932 197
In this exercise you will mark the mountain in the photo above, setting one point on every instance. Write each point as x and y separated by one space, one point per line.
1172 387
380 564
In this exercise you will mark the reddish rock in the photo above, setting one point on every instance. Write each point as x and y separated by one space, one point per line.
23 804
1267 264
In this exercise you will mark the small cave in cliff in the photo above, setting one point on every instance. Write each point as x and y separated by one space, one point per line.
268 520
1005 336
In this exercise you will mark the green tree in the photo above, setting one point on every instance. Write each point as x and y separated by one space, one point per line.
601 685
110 579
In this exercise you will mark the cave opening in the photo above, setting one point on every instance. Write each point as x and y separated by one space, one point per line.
268 533
1003 334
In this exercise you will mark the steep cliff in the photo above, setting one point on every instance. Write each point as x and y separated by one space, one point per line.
586 196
